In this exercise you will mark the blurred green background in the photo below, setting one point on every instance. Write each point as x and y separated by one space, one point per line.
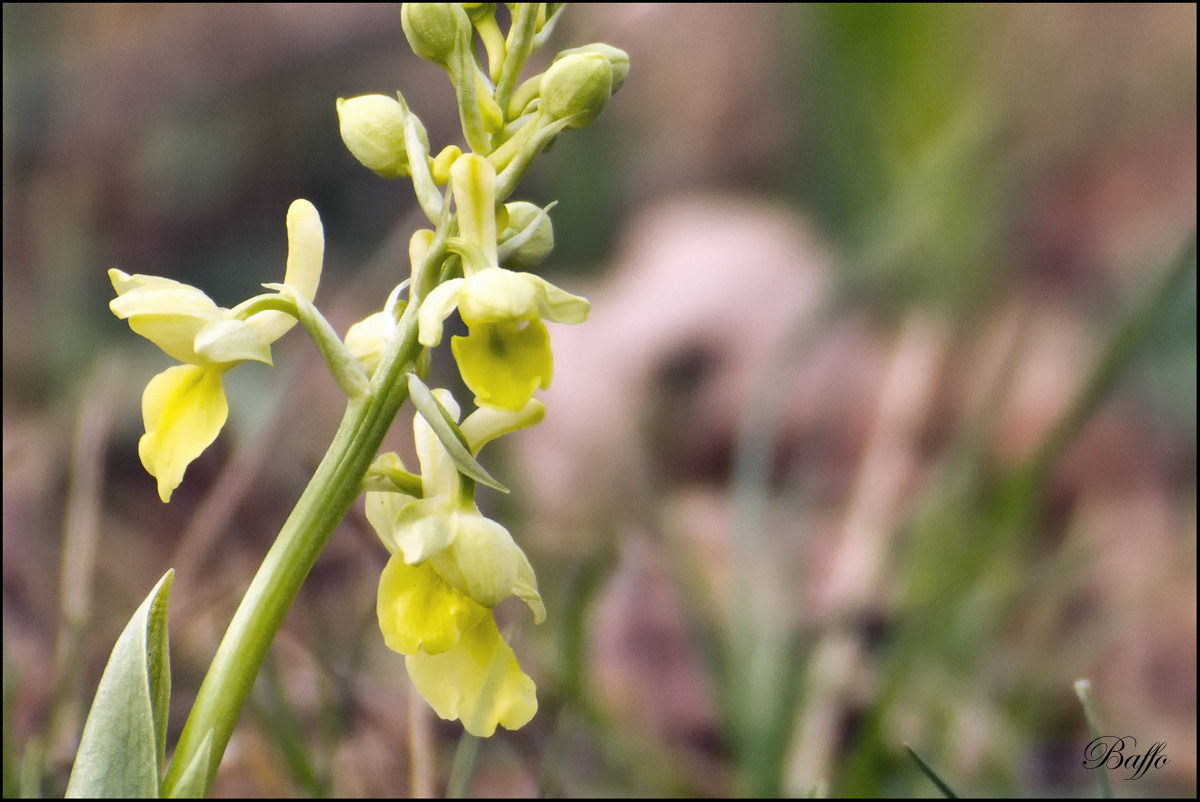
883 429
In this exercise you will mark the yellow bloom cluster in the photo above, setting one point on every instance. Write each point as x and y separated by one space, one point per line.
449 566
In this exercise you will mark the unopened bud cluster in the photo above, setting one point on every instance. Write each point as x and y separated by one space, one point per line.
506 122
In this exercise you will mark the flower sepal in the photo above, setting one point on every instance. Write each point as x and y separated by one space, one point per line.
487 423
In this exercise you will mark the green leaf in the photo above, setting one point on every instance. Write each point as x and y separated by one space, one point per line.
193 783
124 740
448 432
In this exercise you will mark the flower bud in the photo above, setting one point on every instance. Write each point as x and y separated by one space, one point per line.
373 130
432 29
577 84
539 242
440 169
367 339
418 247
617 58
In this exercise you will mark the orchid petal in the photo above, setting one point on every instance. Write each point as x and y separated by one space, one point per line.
306 252
167 313
436 307
484 562
231 341
496 295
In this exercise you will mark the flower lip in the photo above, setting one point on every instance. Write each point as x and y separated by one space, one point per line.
503 363
478 681
184 409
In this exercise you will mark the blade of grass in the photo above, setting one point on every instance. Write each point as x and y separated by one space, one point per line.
1122 348
279 722
463 767
860 568
928 771
1083 689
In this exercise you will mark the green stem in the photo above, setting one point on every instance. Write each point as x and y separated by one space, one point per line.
325 501
521 44
463 767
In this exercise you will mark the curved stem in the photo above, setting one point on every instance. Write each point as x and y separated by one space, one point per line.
325 501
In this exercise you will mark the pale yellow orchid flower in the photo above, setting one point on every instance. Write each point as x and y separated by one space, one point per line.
184 407
449 566
506 355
